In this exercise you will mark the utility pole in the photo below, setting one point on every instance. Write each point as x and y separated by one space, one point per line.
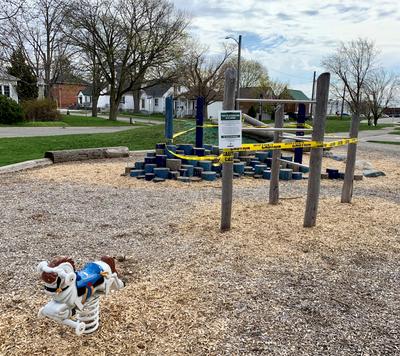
344 94
312 96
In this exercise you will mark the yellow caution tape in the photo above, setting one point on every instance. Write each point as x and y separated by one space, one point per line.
227 153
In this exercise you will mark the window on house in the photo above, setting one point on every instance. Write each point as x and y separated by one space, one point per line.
142 103
6 90
155 101
122 100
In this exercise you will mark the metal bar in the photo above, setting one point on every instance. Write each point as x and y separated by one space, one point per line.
276 101
293 163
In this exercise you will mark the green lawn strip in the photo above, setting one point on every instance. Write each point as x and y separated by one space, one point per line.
38 124
386 142
344 126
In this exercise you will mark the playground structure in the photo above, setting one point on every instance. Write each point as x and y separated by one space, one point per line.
76 293
192 163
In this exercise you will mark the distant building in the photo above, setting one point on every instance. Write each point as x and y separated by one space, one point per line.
335 107
8 85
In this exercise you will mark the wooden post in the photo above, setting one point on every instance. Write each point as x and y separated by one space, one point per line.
347 190
199 121
227 167
314 178
276 154
169 116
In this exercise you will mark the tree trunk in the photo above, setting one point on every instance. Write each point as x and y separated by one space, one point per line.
369 121
95 100
114 103
376 121
136 101
205 111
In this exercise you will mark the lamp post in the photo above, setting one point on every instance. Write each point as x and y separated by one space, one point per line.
239 43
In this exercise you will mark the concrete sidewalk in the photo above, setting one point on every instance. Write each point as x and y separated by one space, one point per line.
58 131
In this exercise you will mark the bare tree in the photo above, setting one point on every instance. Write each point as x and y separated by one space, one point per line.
252 72
130 37
379 91
351 64
10 8
203 75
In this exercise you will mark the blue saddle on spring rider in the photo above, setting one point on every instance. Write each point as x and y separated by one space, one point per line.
88 276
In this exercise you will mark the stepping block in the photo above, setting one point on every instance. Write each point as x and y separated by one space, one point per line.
150 154
236 175
249 174
208 147
304 169
184 179
236 155
187 149
161 160
248 169
159 151
189 169
215 150
262 155
285 174
238 168
266 174
148 168
149 176
197 171
173 175
195 179
257 176
158 180
254 162
180 152
217 168
332 173
246 159
297 175
341 175
270 154
139 165
171 147
287 158
191 162
207 152
161 172
141 177
268 161
174 164
136 172
160 146
324 176
209 176
259 168
183 172
128 169
199 151
206 165
150 160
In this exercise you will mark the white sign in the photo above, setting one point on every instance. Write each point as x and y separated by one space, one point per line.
230 129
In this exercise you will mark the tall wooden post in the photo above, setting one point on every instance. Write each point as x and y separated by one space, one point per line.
169 116
314 178
347 190
276 154
199 121
227 167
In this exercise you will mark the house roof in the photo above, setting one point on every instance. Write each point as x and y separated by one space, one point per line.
297 94
87 91
157 90
5 76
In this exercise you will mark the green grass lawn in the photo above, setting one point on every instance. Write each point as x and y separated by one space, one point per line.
386 142
344 126
72 120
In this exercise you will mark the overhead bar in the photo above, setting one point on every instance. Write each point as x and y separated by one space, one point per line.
276 101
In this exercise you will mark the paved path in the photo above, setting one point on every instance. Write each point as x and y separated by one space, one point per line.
57 131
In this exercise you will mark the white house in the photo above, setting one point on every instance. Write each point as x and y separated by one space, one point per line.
84 97
8 85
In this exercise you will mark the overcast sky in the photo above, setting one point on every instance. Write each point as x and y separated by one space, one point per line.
291 37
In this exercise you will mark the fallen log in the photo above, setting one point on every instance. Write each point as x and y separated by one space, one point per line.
86 154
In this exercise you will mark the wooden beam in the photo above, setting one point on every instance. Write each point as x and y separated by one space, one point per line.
314 177
293 163
275 166
227 167
275 101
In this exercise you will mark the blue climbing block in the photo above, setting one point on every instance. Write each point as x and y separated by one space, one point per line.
160 146
198 171
209 175
184 179
208 147
183 172
139 165
189 169
171 148
179 152
148 168
287 158
206 165
161 172
285 173
215 150
191 162
149 176
238 168
207 152
187 149
268 161
150 160
136 172
262 155
199 151
332 173
259 168
217 168
270 154
304 169
254 162
150 154
161 160
266 174
297 175
173 175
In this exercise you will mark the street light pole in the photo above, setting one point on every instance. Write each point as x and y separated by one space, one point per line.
239 43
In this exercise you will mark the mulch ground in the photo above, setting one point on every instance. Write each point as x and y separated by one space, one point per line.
269 286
